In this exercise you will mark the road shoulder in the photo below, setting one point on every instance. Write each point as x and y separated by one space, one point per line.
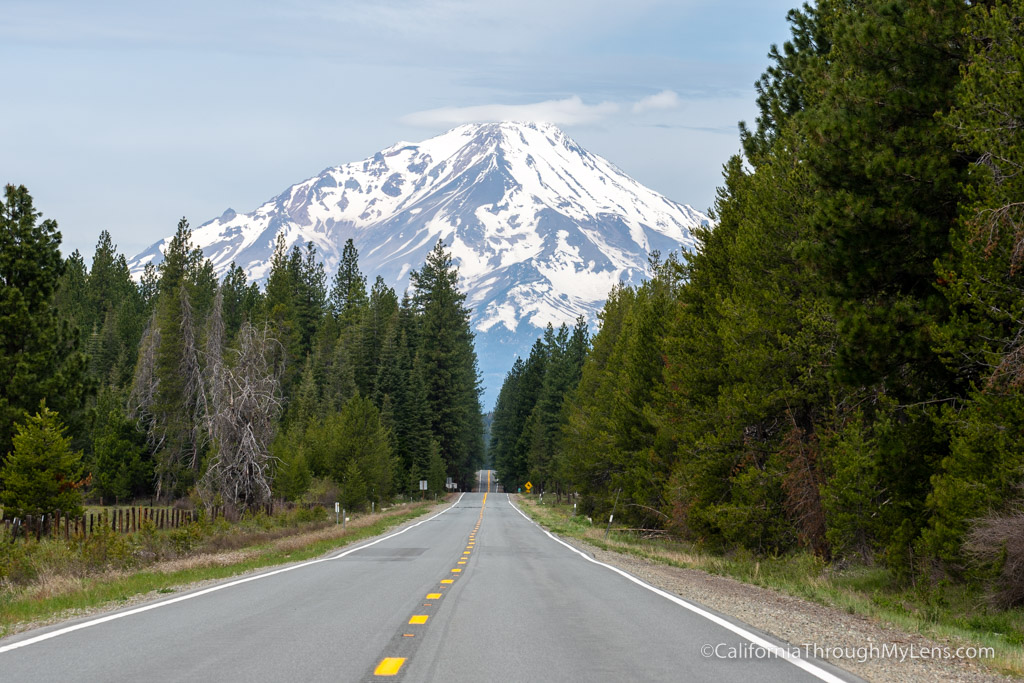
848 641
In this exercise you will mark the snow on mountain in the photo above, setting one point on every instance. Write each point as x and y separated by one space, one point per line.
540 228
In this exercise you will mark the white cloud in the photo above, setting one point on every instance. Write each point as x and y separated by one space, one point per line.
666 99
569 111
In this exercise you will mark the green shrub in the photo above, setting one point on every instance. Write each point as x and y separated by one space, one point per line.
185 538
106 548
16 565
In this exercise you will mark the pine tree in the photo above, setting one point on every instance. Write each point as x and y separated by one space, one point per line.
399 387
506 428
984 284
355 435
348 288
241 301
39 353
436 469
168 391
116 312
311 297
120 464
71 294
447 364
353 486
380 315
42 474
886 182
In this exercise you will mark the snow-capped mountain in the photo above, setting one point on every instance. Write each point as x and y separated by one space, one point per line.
540 228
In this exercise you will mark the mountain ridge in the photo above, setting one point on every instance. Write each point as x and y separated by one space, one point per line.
539 227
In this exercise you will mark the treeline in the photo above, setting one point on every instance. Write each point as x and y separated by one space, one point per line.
525 431
838 366
188 385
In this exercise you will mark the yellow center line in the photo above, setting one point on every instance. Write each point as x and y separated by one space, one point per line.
389 666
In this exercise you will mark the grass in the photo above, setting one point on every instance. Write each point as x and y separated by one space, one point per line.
954 614
56 594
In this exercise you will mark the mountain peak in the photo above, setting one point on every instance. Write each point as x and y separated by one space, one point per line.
540 228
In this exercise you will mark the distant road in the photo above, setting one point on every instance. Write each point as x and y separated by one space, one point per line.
522 607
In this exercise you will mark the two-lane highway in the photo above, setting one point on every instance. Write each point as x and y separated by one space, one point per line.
475 593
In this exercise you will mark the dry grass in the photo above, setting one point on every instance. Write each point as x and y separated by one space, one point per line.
1000 539
234 546
51 585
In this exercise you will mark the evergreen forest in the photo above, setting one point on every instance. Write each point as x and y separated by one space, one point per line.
186 385
838 367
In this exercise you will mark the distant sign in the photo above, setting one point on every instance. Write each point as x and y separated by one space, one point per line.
423 484
528 486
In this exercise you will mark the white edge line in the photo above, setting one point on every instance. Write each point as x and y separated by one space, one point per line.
777 651
212 589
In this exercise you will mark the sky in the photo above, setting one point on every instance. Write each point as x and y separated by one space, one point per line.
126 116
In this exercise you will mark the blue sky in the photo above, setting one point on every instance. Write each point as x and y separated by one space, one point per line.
126 116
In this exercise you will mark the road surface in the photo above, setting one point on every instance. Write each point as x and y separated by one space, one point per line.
475 593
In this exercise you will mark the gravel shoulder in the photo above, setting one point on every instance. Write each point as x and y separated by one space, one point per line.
843 637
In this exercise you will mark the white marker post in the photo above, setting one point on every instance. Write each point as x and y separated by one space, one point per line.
337 509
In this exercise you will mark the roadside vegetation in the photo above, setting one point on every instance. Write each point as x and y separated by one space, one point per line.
186 388
53 579
945 612
834 378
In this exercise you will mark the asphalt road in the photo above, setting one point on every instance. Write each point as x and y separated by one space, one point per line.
522 607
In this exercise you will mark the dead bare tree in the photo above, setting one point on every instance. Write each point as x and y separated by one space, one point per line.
999 539
245 404
170 404
213 353
146 383
193 391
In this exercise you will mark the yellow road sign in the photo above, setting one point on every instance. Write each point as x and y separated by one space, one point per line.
527 486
